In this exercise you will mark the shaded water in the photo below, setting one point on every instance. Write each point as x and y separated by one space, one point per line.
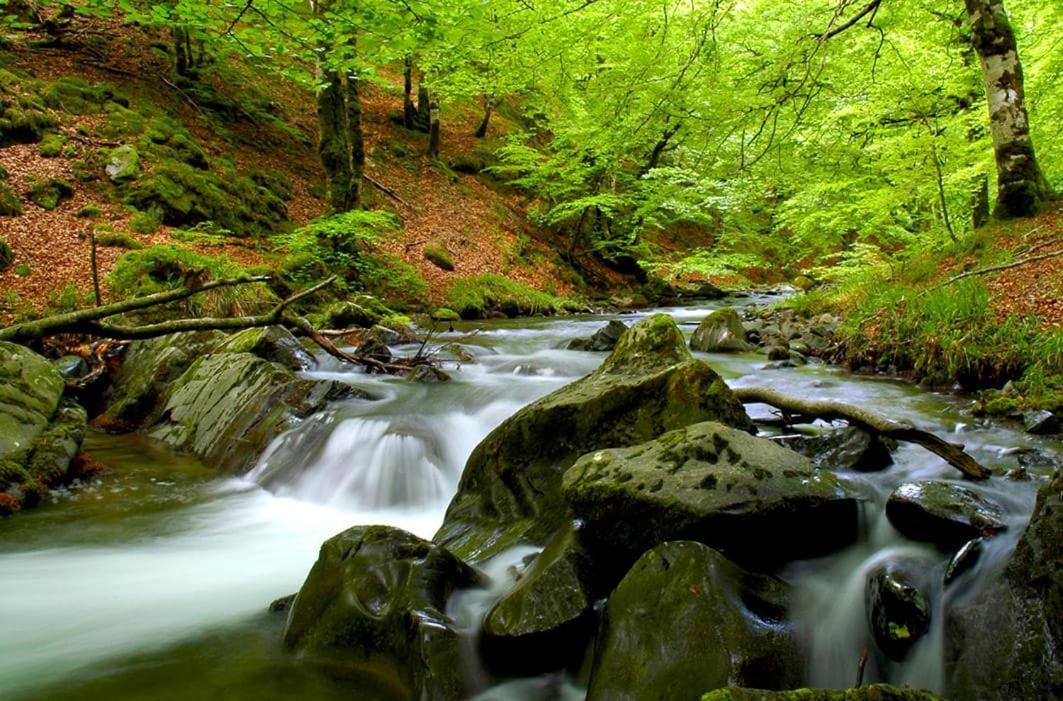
152 583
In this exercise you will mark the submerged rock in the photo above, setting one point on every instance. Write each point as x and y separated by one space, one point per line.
964 559
846 448
898 610
1003 642
874 692
510 491
720 332
227 407
747 496
374 349
944 513
374 606
685 620
427 374
604 339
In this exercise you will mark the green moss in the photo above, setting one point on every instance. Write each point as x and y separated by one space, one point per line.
89 211
145 222
10 203
437 254
52 145
24 118
78 96
117 239
476 297
389 277
48 194
444 314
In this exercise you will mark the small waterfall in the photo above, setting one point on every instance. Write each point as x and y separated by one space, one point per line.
379 463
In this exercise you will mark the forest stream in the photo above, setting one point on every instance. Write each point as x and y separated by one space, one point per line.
153 582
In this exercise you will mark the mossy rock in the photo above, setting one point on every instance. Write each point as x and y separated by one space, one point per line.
374 605
123 163
686 619
444 314
747 496
24 118
942 512
51 145
437 254
78 96
720 332
30 390
54 449
604 339
50 193
874 692
843 449
7 256
10 202
273 343
140 387
510 491
228 407
363 311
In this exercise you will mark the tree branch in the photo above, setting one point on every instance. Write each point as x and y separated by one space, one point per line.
869 421
871 8
995 268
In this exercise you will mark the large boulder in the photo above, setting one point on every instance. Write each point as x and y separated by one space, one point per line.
1006 640
747 496
686 620
30 390
374 607
40 430
874 692
227 407
604 339
944 513
150 367
541 624
720 332
510 491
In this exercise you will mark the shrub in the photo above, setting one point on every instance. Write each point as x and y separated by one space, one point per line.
341 242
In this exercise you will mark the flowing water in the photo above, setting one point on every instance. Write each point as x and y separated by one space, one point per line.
153 582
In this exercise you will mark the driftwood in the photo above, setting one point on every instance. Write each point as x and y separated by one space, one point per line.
869 421
93 322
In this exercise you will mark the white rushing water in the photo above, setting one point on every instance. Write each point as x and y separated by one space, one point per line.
118 568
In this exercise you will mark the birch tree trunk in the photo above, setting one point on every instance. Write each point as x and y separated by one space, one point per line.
1022 188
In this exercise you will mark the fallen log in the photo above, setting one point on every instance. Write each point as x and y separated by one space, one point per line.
828 410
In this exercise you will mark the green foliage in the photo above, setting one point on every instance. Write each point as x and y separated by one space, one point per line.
89 211
52 145
118 239
341 241
477 297
393 279
146 222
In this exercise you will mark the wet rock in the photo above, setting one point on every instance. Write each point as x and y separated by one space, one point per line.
374 606
1003 643
283 604
964 559
138 393
273 343
604 339
778 353
686 620
843 449
374 349
124 163
427 374
30 390
389 337
720 332
944 513
227 408
1039 460
1042 423
510 491
363 311
542 623
898 610
1017 474
874 692
747 496
55 448
71 367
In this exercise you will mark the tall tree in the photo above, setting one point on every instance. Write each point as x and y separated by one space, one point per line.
1021 186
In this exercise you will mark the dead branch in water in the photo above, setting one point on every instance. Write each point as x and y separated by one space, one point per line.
876 423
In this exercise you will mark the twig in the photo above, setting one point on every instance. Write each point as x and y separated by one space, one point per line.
185 95
385 189
993 269
860 667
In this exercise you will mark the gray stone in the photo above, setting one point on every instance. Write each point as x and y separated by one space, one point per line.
720 332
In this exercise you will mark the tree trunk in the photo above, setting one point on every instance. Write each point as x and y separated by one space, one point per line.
409 111
424 107
1021 187
481 131
340 141
980 203
184 62
433 127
